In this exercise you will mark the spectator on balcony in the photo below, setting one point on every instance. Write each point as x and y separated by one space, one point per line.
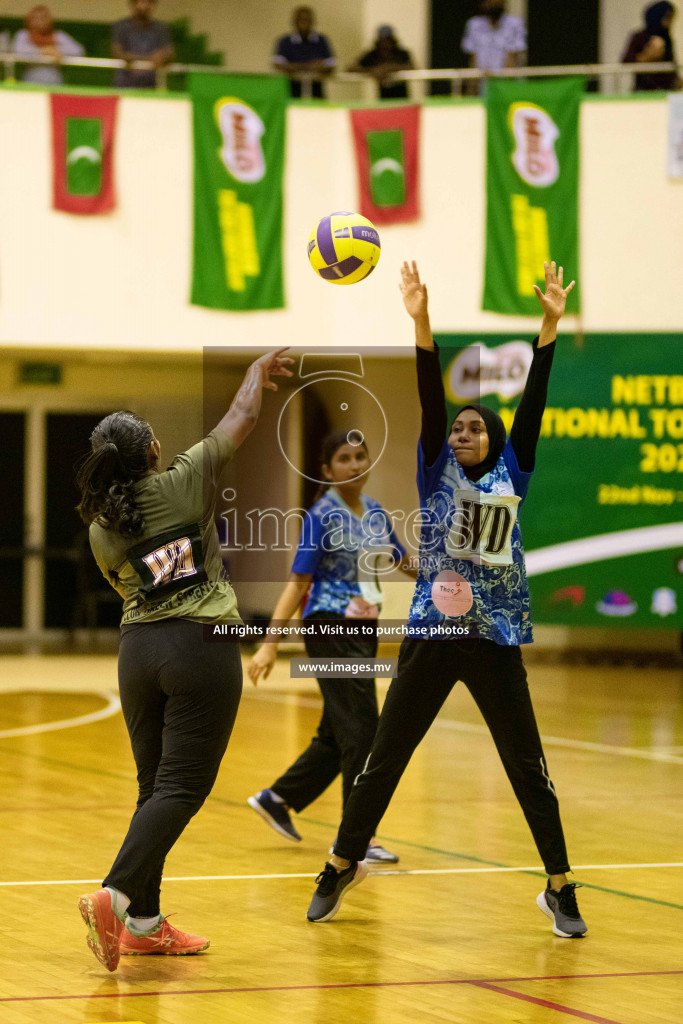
140 37
383 61
304 51
653 44
40 38
493 39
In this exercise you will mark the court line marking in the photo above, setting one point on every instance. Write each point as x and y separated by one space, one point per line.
375 874
473 727
112 707
488 987
337 985
569 744
603 546
325 824
289 698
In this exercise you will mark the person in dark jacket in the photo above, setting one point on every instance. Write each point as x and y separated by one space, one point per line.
653 44
384 60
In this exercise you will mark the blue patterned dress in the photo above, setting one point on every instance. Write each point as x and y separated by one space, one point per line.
473 529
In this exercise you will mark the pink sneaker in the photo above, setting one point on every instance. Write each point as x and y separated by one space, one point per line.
104 927
166 941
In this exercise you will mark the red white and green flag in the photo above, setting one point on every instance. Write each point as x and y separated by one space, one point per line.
386 141
83 130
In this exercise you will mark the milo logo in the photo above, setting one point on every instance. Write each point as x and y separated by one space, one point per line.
535 132
478 371
241 129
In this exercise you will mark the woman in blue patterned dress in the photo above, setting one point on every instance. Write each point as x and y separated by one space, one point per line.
470 611
335 572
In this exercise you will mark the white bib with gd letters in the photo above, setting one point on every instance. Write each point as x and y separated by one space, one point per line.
482 525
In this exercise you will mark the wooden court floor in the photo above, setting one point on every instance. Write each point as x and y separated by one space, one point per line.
450 935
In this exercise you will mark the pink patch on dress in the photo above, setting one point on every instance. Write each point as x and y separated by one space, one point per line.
452 594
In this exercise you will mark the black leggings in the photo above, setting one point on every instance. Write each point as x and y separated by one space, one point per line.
346 730
179 697
496 678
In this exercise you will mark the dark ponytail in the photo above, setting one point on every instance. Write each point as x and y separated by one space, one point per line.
106 477
330 445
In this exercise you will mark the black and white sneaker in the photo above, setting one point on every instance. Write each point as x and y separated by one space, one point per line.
332 885
562 909
378 854
275 813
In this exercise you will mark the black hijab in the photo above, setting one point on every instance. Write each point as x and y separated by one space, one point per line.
653 24
497 438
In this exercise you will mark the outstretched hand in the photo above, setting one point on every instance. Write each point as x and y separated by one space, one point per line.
555 298
241 417
273 364
414 293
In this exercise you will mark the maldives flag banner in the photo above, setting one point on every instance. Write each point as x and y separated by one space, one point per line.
386 142
532 190
239 151
83 129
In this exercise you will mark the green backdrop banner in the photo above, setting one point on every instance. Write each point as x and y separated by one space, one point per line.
603 521
532 186
239 146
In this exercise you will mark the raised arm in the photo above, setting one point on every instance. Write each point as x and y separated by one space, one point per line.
429 381
245 407
526 427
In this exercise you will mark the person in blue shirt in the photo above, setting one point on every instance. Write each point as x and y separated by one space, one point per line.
472 481
302 54
345 536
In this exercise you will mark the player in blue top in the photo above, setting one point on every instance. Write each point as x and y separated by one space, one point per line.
471 578
344 535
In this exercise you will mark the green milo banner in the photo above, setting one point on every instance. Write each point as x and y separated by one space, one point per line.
239 147
532 188
603 520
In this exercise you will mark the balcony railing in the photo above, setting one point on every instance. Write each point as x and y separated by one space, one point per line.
456 76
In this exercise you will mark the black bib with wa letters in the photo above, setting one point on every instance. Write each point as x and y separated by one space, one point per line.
169 562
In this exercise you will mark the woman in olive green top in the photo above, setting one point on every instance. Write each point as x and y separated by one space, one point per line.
154 538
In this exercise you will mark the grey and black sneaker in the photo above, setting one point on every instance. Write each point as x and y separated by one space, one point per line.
376 855
275 813
332 885
380 855
562 909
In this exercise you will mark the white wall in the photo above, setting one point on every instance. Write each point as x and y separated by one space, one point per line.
122 280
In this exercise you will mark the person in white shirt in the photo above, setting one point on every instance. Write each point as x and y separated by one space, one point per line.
40 37
494 39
